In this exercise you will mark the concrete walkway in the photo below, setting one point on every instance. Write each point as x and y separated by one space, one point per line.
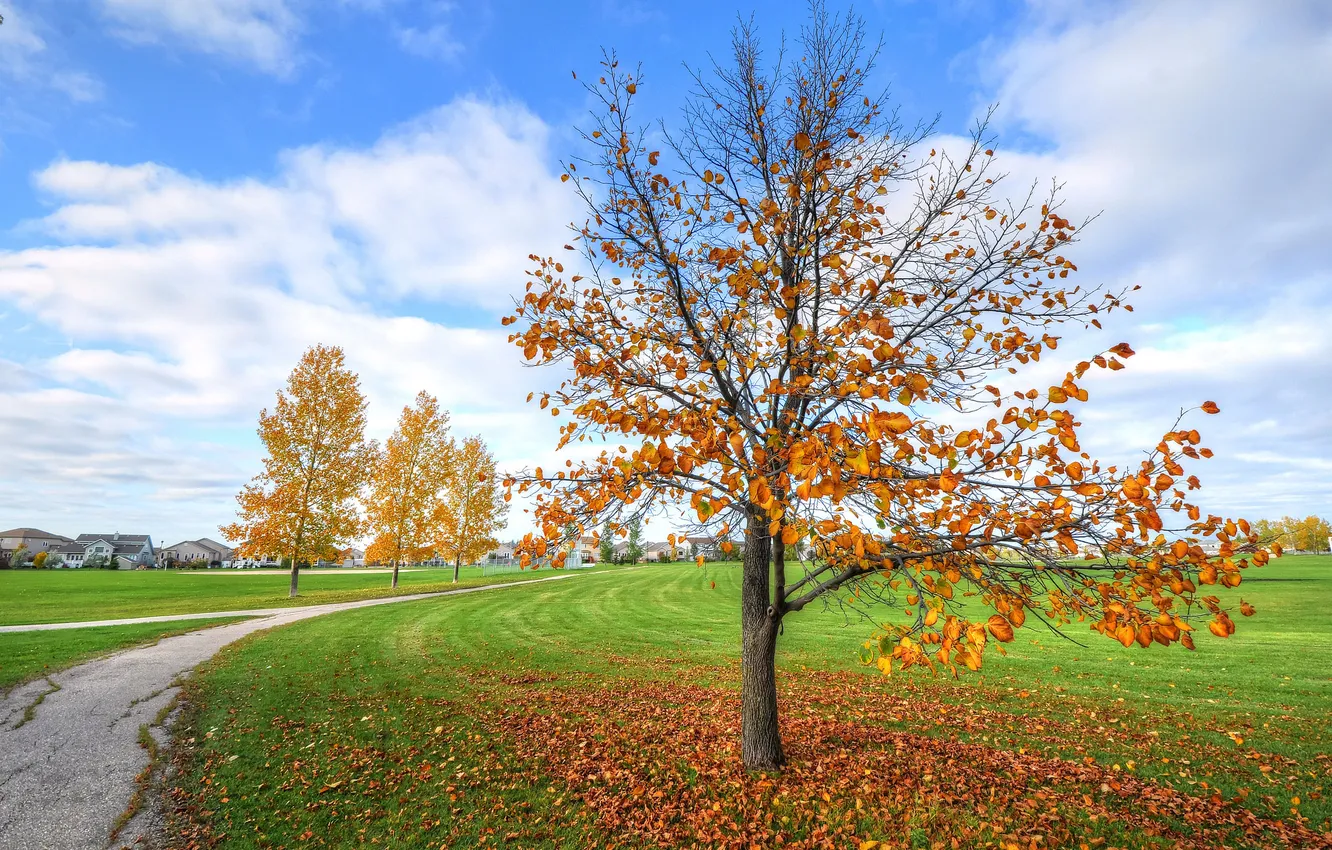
69 750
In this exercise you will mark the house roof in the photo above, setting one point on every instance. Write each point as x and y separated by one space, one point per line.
121 544
212 544
116 538
201 543
31 532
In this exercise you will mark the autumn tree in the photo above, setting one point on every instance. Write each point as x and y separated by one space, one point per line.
472 508
303 505
410 475
795 319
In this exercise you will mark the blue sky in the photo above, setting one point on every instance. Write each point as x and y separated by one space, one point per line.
191 193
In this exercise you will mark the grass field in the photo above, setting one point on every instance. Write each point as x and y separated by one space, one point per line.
67 596
604 712
28 655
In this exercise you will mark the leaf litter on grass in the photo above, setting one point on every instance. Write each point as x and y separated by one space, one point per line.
526 759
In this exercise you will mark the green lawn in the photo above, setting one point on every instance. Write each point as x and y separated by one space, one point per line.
27 655
602 711
67 596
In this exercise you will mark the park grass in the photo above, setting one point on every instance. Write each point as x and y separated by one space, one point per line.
28 655
603 711
68 596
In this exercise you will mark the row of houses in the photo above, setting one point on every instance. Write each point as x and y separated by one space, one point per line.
131 551
589 550
126 551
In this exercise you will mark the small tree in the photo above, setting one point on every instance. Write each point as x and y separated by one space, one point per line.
19 559
39 561
303 503
410 476
796 319
633 551
472 508
606 549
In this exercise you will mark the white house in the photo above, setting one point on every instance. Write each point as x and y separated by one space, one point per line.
501 554
127 550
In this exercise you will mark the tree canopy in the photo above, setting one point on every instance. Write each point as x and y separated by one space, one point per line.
410 474
303 505
791 314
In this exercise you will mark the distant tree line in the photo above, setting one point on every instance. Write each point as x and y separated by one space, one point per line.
1303 535
324 484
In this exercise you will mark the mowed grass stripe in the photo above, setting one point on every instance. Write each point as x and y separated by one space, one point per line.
67 596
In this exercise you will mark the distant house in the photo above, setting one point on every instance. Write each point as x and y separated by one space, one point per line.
203 549
650 551
587 549
501 554
708 547
33 539
662 551
126 550
351 557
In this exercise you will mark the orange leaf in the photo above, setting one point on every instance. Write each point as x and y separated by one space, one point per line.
1000 628
1210 407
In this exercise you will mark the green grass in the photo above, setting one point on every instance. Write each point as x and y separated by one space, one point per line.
391 689
28 655
68 596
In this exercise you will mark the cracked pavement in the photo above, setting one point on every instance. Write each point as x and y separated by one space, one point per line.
67 771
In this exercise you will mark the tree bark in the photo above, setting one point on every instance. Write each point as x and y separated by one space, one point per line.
760 735
395 573
457 565
295 572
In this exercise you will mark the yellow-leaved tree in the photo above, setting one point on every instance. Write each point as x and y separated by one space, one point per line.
473 508
303 505
405 492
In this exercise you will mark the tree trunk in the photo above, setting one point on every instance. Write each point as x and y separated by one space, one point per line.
395 572
295 571
760 736
457 565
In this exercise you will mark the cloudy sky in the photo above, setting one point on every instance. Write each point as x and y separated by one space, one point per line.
191 193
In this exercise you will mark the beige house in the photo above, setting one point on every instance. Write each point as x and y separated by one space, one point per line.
32 539
587 549
661 551
203 549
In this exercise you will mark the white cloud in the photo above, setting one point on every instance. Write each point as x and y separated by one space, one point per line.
258 32
1202 137
188 301
433 42
27 59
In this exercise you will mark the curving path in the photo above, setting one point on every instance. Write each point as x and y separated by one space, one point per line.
69 743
